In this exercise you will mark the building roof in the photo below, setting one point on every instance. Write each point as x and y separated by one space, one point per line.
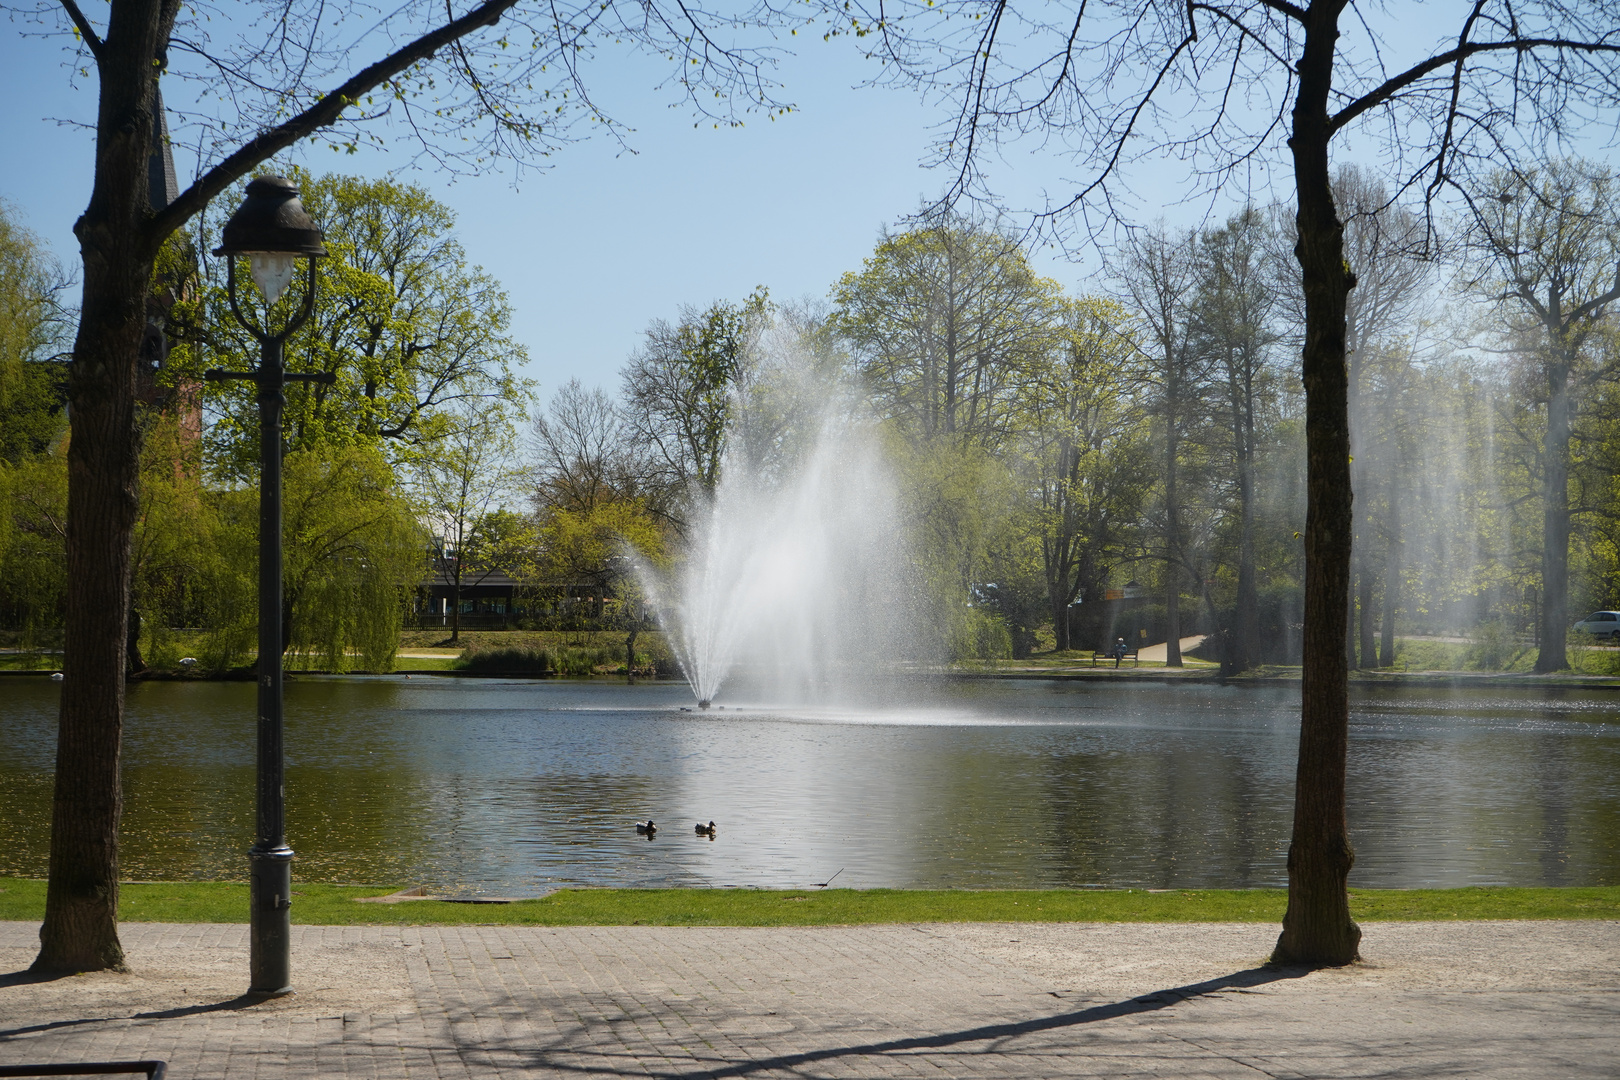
163 185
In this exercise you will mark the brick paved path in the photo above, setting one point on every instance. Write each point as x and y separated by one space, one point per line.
1465 1000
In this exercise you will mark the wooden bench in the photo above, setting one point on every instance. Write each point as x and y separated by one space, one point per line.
1105 655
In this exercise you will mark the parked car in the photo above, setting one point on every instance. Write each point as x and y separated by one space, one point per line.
1603 624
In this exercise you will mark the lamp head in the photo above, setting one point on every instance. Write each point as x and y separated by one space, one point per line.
274 230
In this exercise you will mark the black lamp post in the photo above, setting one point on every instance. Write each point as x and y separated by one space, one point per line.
274 231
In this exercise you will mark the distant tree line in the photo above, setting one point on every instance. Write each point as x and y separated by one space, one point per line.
1049 447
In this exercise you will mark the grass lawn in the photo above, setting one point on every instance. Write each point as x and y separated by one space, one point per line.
210 901
425 663
31 661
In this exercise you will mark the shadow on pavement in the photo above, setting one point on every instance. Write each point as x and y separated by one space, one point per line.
1158 999
26 977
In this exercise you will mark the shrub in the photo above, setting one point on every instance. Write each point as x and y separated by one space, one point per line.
563 660
1494 647
507 659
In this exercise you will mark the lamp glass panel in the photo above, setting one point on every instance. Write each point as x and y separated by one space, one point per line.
272 272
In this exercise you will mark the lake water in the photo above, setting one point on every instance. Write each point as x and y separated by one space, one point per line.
514 787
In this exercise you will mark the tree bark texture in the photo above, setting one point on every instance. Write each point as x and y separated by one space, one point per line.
1555 522
134 662
1241 646
1172 512
455 601
1352 397
1392 572
1317 928
80 929
1058 552
1365 609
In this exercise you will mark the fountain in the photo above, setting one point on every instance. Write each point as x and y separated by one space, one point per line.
796 576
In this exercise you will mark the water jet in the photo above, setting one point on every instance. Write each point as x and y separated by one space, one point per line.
796 577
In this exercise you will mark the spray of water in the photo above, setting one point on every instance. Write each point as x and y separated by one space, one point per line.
795 581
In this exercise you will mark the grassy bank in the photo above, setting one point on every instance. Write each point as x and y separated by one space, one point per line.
335 905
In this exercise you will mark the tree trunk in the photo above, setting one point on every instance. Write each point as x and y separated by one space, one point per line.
1317 928
1172 517
1059 586
1364 612
1238 650
1555 523
455 603
1392 581
134 662
287 600
80 929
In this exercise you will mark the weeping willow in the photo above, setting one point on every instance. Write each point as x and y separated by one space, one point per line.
354 555
33 517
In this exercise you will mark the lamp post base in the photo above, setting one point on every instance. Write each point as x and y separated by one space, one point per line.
270 932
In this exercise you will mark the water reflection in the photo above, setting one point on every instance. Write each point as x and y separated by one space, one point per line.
513 787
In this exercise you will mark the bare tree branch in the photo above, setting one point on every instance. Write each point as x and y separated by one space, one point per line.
319 115
87 33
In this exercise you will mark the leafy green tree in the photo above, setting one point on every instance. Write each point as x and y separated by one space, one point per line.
460 486
595 548
1157 276
961 506
33 430
355 554
679 387
1088 454
1230 313
33 418
1551 240
171 541
33 328
408 328
943 323
461 91
943 320
33 541
1151 80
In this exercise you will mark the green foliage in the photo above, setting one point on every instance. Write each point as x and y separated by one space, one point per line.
404 323
945 318
958 502
33 430
33 543
33 410
561 660
679 388
354 556
595 548
1086 454
977 633
1494 647
32 326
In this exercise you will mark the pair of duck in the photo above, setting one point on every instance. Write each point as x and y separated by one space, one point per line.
647 828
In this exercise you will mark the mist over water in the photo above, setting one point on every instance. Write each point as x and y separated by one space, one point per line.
796 580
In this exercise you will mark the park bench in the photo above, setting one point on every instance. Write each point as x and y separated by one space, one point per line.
154 1070
1107 656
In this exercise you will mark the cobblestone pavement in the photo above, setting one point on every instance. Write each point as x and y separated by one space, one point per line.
939 1000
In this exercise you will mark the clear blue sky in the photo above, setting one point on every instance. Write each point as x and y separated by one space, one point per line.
604 241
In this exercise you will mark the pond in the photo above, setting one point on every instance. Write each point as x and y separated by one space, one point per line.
514 787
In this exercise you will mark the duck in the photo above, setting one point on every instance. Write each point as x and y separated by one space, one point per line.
646 828
705 830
